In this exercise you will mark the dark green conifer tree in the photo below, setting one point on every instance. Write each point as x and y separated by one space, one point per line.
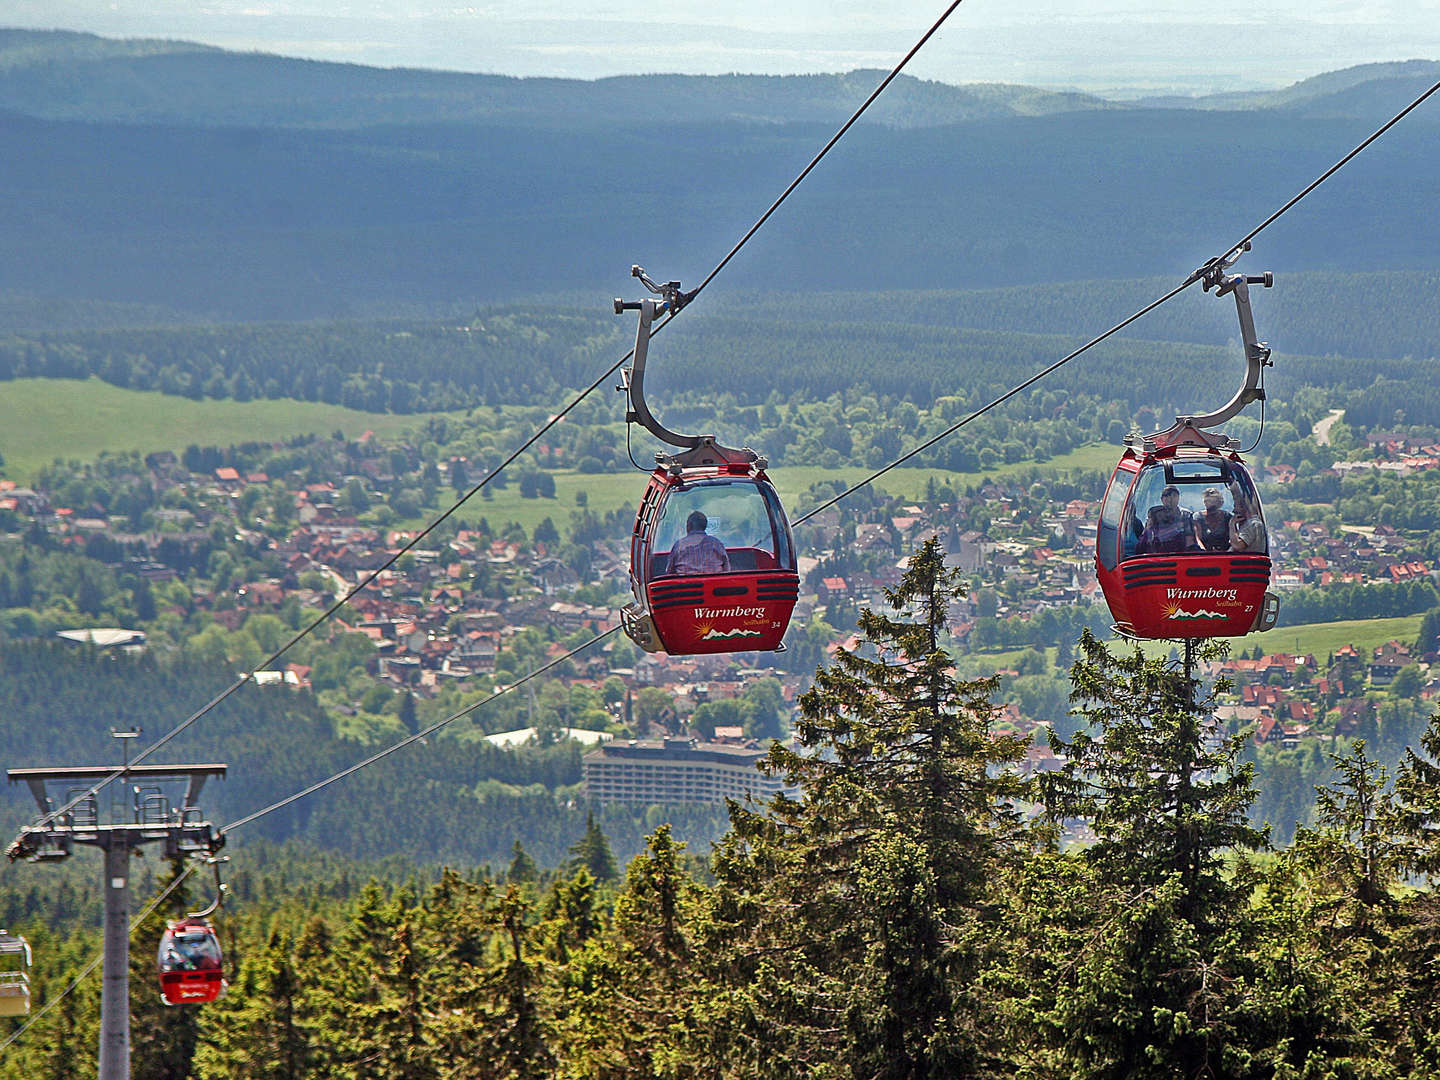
458 921
522 866
255 1032
1417 937
1354 844
851 925
570 917
368 1000
517 1033
592 852
629 994
1324 983
399 1020
1155 992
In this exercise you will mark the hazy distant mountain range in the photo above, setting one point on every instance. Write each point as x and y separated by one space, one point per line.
255 186
61 75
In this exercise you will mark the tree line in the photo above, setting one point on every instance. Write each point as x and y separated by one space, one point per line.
915 347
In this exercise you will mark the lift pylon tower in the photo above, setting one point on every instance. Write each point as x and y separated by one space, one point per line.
152 819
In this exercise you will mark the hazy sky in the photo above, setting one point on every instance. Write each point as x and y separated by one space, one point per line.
1105 45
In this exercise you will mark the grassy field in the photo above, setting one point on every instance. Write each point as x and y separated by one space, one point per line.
910 482
42 419
1322 639
1318 639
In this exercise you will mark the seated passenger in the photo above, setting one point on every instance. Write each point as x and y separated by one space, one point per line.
697 552
1168 528
198 951
1212 526
1247 531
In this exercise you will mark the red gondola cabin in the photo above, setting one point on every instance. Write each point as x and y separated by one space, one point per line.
190 963
712 562
1181 550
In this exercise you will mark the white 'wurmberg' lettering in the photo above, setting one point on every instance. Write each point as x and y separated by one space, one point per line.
723 612
1201 594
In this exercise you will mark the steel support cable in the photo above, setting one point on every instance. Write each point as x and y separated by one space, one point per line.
845 127
1231 255
75 982
998 401
189 869
330 612
419 735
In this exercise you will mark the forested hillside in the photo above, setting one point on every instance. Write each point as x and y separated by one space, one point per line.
457 799
1364 333
227 210
77 76
61 75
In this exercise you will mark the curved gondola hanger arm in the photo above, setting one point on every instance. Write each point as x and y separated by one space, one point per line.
696 450
1215 275
220 888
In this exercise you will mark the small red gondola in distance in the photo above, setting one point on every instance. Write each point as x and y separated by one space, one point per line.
1181 548
712 558
190 963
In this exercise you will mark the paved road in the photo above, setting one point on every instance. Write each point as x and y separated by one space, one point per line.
1322 427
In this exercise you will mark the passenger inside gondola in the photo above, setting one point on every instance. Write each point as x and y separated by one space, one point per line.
1247 531
720 526
1212 524
1169 528
697 552
192 950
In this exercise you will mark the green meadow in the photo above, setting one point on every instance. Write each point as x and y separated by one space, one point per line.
45 419
1322 639
1317 639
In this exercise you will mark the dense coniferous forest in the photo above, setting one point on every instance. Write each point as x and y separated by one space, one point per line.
915 347
913 915
463 800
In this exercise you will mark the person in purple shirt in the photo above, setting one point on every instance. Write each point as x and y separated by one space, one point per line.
697 552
